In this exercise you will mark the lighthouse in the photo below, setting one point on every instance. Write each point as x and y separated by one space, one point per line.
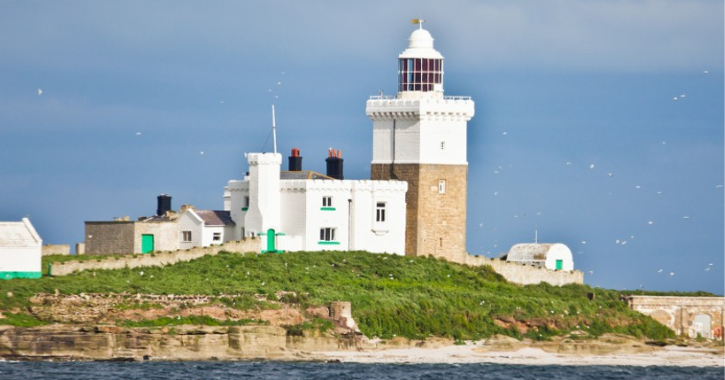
419 136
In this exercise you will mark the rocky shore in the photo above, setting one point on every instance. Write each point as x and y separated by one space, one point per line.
66 342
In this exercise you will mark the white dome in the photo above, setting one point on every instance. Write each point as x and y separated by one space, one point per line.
420 45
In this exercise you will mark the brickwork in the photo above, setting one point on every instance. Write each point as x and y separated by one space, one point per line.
104 238
686 316
435 221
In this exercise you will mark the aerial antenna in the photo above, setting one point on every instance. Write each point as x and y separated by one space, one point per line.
274 132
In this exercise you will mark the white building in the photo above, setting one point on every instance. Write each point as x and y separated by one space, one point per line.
20 250
307 211
554 256
202 228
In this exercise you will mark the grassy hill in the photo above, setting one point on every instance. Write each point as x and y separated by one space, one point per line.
391 295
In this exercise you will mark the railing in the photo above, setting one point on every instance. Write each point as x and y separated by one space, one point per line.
395 97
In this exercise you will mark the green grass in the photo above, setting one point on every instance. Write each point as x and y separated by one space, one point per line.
391 295
190 320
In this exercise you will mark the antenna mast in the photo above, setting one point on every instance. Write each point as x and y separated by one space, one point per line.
274 132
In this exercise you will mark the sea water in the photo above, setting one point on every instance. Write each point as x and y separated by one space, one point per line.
338 371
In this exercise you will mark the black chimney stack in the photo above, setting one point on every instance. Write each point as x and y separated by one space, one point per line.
295 161
334 164
164 204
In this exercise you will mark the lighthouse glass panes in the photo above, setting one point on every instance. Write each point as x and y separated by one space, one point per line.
420 74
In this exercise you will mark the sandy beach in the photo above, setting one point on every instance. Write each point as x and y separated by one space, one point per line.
473 353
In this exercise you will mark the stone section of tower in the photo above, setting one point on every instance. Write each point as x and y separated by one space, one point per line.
435 210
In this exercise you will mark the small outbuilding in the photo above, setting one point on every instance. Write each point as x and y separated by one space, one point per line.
20 250
555 256
202 228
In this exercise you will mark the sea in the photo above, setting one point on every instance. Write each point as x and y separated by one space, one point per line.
338 371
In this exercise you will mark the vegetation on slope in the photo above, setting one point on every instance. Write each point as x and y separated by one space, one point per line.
391 295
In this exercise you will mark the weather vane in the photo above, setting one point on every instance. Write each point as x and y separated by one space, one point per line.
418 21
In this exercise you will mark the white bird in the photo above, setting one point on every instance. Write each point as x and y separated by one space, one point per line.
674 99
138 133
650 222
660 271
710 264
568 163
584 241
707 269
40 91
672 273
504 133
610 174
706 72
685 217
591 166
683 96
201 153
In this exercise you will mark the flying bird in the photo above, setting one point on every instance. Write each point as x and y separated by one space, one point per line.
40 91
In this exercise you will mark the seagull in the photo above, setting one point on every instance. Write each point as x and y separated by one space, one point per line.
672 273
674 99
504 133
683 96
685 217
591 166
650 222
707 269
138 133
201 153
706 72
40 91
660 271
610 174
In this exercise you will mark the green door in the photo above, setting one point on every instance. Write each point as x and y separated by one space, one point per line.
559 264
147 243
270 240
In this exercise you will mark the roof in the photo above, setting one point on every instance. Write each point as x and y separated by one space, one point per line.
215 217
302 174
533 251
18 234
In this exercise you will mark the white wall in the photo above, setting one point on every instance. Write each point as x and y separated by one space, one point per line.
20 250
189 221
559 252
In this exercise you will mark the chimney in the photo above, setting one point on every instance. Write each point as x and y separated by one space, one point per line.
334 163
295 161
164 204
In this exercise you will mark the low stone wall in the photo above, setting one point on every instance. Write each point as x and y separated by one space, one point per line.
686 316
56 249
527 274
153 260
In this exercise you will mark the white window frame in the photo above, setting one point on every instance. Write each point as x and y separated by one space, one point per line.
441 186
327 201
327 234
380 212
184 237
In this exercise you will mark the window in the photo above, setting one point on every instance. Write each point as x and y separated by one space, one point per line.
442 186
443 145
327 234
246 204
327 204
186 236
217 236
380 212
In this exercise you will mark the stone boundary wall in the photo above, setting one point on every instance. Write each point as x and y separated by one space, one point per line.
523 274
153 260
56 249
513 272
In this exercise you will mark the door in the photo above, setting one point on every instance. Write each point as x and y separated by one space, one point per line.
270 240
559 264
147 243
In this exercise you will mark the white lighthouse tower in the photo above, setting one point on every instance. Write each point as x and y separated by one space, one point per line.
419 136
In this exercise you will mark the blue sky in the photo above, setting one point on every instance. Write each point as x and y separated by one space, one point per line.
576 134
